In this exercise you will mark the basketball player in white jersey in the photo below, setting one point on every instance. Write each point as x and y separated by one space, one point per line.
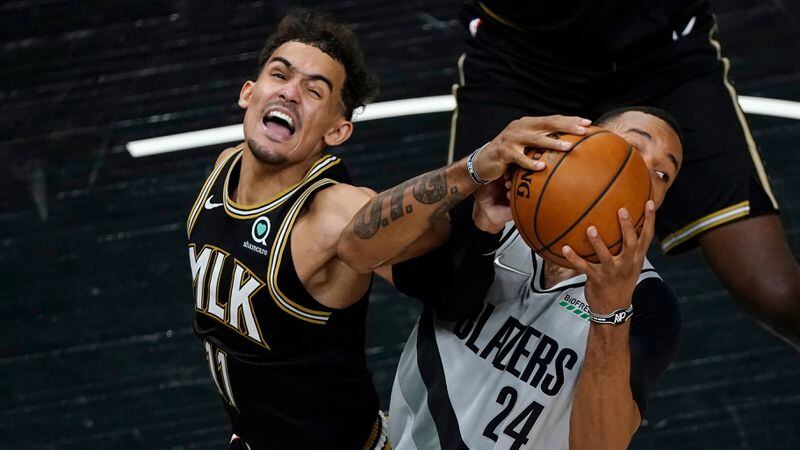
551 358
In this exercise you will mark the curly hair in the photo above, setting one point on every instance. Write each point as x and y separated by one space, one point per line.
337 41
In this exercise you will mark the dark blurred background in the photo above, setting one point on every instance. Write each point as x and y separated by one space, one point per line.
96 350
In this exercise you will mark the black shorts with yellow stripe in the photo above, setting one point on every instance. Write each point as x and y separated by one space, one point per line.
505 75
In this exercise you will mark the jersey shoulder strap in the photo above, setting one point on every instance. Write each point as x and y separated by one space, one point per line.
207 186
284 285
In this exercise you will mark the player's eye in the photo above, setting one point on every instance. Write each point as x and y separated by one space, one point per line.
315 93
278 75
663 175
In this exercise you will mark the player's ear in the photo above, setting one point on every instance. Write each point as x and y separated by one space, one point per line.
339 132
246 92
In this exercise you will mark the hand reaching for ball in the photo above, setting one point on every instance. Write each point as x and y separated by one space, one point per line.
492 211
509 146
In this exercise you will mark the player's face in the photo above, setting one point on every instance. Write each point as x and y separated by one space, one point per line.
657 143
294 108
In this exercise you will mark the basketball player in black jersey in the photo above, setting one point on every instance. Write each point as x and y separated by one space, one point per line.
280 301
586 57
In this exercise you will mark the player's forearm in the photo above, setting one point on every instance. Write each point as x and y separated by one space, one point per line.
604 414
393 220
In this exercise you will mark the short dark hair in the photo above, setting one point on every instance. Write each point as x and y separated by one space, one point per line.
337 41
612 115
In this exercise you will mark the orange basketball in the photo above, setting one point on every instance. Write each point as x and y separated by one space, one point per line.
585 186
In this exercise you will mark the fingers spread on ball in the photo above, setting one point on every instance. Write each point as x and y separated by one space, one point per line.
539 130
600 248
629 237
577 262
649 225
525 162
567 124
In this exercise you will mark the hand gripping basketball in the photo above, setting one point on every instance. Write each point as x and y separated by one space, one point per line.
587 186
610 283
509 146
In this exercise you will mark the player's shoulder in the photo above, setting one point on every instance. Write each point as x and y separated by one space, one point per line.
226 153
341 195
342 199
344 192
334 206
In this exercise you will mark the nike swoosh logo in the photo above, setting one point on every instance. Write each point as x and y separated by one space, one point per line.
210 205
511 269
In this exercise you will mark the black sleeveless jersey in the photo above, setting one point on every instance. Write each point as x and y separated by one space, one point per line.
291 371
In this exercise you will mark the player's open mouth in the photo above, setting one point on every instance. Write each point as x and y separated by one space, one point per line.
279 124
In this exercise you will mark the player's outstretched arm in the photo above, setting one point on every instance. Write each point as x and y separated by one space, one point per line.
604 413
389 224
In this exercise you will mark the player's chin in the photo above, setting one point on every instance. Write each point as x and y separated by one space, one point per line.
268 152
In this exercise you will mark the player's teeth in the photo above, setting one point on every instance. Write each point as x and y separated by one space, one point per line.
281 116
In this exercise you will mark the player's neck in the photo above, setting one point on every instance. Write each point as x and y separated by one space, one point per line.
554 274
260 182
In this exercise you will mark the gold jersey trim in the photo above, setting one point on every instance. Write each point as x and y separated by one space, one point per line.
276 256
499 18
240 211
705 223
748 136
198 203
451 146
740 209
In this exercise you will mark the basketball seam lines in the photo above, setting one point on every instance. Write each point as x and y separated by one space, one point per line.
544 188
596 200
635 225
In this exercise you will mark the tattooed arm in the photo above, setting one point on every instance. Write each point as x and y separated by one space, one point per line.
389 227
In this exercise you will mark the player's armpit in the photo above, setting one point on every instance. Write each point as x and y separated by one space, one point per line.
314 236
328 214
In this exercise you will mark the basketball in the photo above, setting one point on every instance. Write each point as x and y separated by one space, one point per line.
579 188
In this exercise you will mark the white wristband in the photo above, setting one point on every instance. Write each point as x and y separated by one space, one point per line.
471 167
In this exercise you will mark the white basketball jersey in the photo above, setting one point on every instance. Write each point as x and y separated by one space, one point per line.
504 379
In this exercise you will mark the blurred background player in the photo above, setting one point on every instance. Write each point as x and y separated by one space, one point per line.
533 367
583 58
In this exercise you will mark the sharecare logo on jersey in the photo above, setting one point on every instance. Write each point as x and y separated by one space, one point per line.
255 248
576 306
260 230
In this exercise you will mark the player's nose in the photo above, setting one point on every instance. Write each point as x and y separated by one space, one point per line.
290 91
